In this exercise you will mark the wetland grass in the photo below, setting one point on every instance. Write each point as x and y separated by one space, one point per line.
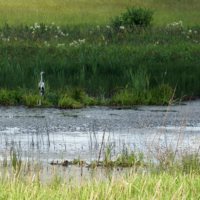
108 60
180 181
102 59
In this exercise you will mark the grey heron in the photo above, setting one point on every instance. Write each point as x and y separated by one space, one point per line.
41 85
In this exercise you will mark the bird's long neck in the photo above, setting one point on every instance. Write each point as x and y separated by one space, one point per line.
41 78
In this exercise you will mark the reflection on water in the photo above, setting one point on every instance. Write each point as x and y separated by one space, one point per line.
86 145
53 134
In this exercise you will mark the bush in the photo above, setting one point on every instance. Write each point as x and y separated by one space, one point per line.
116 22
137 16
134 17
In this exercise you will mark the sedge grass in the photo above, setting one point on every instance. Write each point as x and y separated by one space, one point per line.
138 183
106 60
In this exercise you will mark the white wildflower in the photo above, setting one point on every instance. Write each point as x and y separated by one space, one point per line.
33 32
181 23
103 38
53 23
107 27
190 31
195 32
46 43
60 45
36 26
122 27
58 27
56 36
31 27
188 37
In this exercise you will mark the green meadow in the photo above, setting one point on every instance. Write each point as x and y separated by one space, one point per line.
94 12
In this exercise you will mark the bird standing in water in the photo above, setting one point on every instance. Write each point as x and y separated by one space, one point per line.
41 85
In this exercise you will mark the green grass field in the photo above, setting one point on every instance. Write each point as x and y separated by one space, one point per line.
93 12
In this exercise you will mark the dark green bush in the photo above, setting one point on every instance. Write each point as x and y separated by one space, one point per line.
133 17
116 22
137 16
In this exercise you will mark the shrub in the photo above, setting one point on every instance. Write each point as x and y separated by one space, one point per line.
116 22
134 17
137 16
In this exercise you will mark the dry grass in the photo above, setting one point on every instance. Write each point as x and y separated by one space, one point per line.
94 11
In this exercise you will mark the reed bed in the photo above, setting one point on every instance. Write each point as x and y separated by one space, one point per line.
76 44
101 60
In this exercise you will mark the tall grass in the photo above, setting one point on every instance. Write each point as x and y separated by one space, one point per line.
139 183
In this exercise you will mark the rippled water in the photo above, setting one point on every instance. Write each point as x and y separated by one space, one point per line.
53 134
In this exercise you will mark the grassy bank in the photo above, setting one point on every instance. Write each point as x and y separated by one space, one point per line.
100 59
172 179
161 186
94 55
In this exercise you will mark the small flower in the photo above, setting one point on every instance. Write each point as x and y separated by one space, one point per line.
195 32
107 27
31 27
15 39
8 39
190 31
181 23
188 37
56 36
53 23
58 27
33 32
59 45
90 32
103 38
122 27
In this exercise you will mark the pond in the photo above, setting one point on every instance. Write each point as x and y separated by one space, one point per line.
54 134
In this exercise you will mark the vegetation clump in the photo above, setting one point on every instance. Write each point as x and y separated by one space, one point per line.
133 17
